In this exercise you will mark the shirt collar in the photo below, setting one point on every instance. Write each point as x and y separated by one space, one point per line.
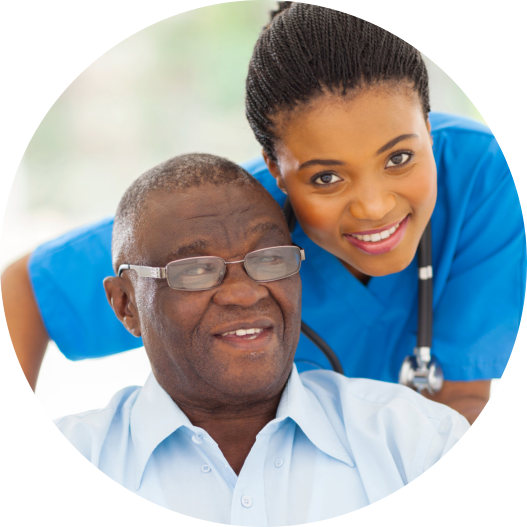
304 408
155 416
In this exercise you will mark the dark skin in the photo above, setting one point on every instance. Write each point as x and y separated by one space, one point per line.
26 328
367 189
226 384
360 164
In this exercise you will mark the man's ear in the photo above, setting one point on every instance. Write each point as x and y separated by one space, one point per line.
275 171
120 298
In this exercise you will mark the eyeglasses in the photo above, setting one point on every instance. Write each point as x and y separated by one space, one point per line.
206 272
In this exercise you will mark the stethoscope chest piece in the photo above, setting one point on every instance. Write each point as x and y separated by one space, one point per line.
421 371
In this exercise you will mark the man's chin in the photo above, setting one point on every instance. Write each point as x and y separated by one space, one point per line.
252 385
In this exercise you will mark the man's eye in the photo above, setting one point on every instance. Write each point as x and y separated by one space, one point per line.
326 179
399 159
269 260
197 271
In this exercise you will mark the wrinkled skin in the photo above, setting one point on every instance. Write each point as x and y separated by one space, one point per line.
229 387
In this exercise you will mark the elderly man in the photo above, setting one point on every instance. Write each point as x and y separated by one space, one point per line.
225 429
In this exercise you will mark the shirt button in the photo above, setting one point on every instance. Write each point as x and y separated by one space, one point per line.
279 463
197 439
247 501
205 468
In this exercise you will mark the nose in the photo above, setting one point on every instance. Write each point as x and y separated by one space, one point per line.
238 288
371 201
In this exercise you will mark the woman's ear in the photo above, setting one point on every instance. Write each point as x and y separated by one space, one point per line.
429 128
120 296
275 171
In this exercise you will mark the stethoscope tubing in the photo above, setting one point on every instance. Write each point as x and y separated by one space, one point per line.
425 302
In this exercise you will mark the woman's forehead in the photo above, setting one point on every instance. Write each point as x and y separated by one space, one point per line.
366 121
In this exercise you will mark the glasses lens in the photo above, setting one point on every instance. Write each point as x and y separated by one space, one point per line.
273 263
195 274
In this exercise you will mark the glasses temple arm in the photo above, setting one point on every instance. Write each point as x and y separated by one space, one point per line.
141 270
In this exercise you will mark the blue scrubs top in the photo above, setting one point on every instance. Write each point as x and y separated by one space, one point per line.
479 277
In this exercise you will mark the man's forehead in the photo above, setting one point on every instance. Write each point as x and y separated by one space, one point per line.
190 222
245 235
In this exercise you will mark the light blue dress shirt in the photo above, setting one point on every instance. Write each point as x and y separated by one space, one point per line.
336 445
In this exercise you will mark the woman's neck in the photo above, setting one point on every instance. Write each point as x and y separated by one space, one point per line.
361 277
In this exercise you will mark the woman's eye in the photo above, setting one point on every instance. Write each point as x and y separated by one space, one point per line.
398 159
326 179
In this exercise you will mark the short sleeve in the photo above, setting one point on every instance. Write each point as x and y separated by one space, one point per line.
478 313
67 275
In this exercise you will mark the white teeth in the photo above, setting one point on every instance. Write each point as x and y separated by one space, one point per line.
378 236
243 332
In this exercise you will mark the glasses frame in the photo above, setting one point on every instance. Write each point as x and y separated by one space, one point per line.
161 272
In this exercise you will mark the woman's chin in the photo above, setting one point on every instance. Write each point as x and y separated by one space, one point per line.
382 266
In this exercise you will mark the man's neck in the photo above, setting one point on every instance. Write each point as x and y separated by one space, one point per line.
234 431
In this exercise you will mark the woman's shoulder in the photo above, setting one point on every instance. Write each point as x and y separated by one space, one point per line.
447 123
100 230
468 157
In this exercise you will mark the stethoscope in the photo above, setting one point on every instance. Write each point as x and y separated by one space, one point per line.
421 370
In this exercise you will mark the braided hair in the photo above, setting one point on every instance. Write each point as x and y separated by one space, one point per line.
307 50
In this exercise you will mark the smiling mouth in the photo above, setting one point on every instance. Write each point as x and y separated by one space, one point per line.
248 335
245 334
376 242
377 236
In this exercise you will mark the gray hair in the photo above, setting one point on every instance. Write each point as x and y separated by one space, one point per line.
180 172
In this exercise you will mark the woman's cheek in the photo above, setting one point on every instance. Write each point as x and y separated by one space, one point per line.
317 216
423 189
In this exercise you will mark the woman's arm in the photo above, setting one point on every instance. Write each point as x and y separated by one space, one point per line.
467 397
24 322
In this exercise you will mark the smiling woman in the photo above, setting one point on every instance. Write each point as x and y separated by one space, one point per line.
341 110
354 169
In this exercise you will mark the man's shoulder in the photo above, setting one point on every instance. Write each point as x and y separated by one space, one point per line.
391 433
88 431
367 396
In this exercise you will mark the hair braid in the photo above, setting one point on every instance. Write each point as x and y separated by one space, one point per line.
307 49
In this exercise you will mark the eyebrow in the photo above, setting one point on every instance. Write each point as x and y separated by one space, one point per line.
268 226
190 249
323 162
393 142
199 246
336 162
